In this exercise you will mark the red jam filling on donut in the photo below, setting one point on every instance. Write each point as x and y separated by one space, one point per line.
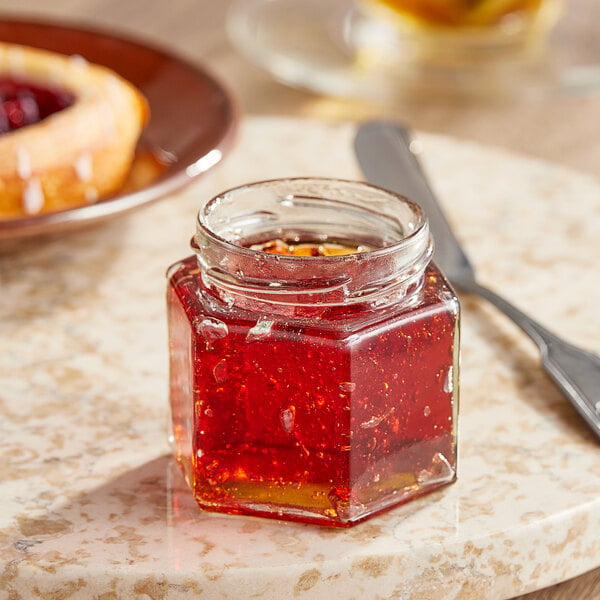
24 103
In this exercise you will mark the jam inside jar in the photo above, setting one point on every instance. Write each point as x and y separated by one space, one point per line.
317 386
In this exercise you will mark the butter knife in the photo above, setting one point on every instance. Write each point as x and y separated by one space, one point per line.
384 153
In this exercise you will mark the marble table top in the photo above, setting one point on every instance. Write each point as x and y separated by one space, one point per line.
92 506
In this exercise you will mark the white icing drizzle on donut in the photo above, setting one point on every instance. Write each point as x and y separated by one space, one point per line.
83 167
78 62
33 197
91 195
23 163
112 86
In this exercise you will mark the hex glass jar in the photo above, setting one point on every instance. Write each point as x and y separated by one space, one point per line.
313 354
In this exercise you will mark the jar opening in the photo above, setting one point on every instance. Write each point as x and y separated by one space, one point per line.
391 232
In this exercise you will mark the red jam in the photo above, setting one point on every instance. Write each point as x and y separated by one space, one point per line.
296 400
307 413
24 104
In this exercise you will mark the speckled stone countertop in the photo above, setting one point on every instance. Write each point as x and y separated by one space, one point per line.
91 505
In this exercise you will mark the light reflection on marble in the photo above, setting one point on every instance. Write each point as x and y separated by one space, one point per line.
92 505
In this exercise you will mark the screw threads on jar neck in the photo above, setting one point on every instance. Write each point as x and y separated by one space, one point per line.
312 210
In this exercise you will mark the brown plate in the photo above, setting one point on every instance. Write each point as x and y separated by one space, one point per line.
192 120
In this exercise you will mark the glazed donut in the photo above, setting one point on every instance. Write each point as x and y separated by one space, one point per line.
83 150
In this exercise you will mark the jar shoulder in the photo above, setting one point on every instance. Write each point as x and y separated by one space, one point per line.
436 297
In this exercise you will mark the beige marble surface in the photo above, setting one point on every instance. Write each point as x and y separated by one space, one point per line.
91 505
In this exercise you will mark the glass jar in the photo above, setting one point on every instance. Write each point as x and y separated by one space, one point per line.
321 388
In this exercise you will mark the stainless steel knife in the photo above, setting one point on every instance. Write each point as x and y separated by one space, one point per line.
385 154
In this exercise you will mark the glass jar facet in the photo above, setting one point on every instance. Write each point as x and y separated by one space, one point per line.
317 389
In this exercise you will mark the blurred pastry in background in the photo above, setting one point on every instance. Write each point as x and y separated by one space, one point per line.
68 131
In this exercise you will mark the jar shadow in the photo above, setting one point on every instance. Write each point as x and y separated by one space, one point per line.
146 517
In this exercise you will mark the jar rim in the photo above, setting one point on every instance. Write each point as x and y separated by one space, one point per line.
406 239
395 228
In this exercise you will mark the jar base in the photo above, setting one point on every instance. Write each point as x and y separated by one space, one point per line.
314 504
